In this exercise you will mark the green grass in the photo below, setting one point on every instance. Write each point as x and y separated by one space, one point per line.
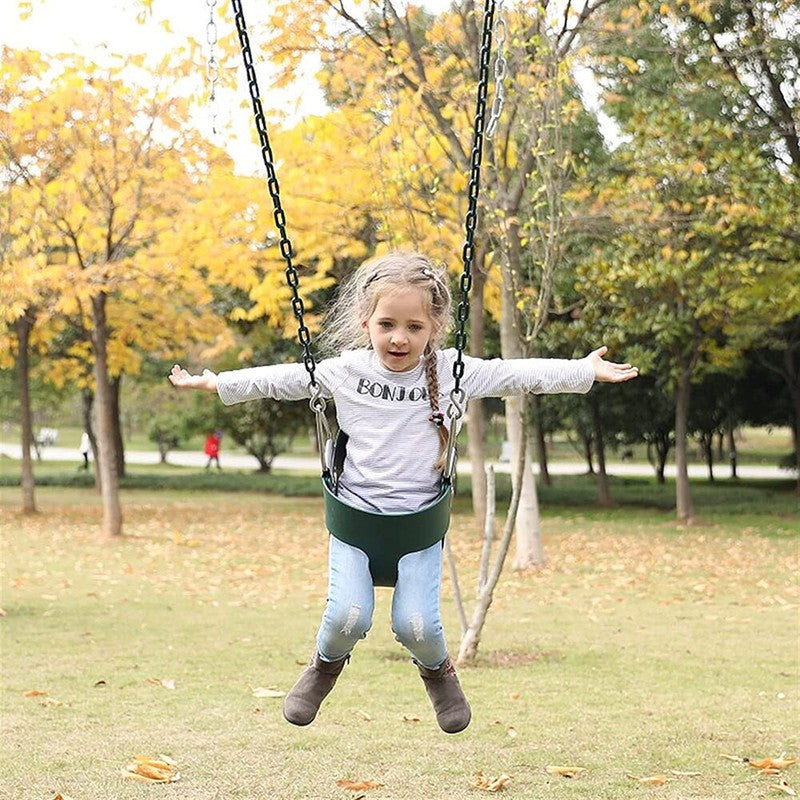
642 648
723 496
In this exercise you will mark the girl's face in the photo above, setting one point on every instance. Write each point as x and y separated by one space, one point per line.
399 329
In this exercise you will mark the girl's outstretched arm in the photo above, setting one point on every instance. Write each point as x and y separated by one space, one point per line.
181 379
608 371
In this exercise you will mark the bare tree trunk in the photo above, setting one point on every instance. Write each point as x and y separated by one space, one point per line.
87 401
119 444
790 375
683 495
476 417
541 444
24 324
588 454
107 462
529 550
707 444
603 488
471 639
730 435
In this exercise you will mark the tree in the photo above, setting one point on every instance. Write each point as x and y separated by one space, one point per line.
703 219
111 168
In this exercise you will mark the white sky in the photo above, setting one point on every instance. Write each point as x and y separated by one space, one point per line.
97 27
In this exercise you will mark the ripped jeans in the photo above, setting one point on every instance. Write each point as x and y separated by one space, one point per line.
416 620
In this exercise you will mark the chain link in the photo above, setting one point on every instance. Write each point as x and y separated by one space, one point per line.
468 253
457 396
500 71
212 67
292 278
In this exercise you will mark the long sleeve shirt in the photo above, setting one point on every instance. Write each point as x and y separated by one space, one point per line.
393 446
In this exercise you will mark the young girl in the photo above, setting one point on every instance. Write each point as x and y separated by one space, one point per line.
389 380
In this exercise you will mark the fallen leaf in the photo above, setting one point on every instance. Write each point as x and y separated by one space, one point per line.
681 774
771 763
165 682
784 787
410 718
737 759
261 692
358 786
34 693
152 770
567 772
650 780
60 796
366 717
491 784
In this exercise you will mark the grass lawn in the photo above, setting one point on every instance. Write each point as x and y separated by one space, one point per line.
642 649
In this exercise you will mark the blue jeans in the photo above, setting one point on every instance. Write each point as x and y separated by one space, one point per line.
416 620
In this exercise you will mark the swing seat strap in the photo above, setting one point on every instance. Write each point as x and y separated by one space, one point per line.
386 538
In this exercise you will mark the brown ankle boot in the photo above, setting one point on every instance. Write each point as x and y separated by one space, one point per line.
300 706
452 709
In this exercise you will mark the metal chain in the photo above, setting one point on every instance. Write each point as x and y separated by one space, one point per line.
500 69
212 67
457 396
468 252
292 278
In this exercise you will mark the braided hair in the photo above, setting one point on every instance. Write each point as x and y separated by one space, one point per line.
356 300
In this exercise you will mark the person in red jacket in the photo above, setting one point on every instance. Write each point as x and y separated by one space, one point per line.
211 448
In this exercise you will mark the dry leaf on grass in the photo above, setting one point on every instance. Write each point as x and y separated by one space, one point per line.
34 693
737 759
650 780
680 774
410 718
262 692
166 683
783 787
152 770
358 786
771 766
491 784
60 796
567 772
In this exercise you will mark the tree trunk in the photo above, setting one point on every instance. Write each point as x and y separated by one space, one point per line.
24 324
119 445
468 648
107 460
683 496
586 441
476 417
529 551
87 401
541 445
707 443
603 488
790 374
730 435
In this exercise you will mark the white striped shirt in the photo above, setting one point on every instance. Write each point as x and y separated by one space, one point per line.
393 446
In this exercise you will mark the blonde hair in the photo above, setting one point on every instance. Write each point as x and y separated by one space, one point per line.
357 297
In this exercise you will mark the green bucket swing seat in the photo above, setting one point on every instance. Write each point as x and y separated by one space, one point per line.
384 538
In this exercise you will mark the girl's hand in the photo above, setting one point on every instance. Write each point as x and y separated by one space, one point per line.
607 371
181 379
